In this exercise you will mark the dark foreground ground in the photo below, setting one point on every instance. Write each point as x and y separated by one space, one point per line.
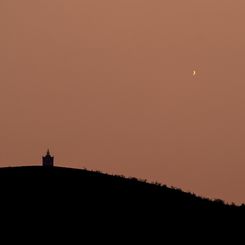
83 187
63 197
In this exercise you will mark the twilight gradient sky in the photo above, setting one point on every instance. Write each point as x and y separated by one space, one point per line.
108 85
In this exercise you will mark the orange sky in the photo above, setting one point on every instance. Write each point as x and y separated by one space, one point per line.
108 85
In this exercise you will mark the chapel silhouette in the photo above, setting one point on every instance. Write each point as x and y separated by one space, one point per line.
48 160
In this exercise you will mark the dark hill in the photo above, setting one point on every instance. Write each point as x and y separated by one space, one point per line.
88 187
79 200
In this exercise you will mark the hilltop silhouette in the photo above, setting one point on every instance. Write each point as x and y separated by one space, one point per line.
85 187
91 201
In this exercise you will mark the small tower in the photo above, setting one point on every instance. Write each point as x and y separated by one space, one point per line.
48 160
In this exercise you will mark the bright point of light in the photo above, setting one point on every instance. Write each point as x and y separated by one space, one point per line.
194 73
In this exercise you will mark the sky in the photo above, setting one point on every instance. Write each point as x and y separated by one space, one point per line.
108 85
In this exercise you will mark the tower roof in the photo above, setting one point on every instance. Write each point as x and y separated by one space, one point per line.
48 154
